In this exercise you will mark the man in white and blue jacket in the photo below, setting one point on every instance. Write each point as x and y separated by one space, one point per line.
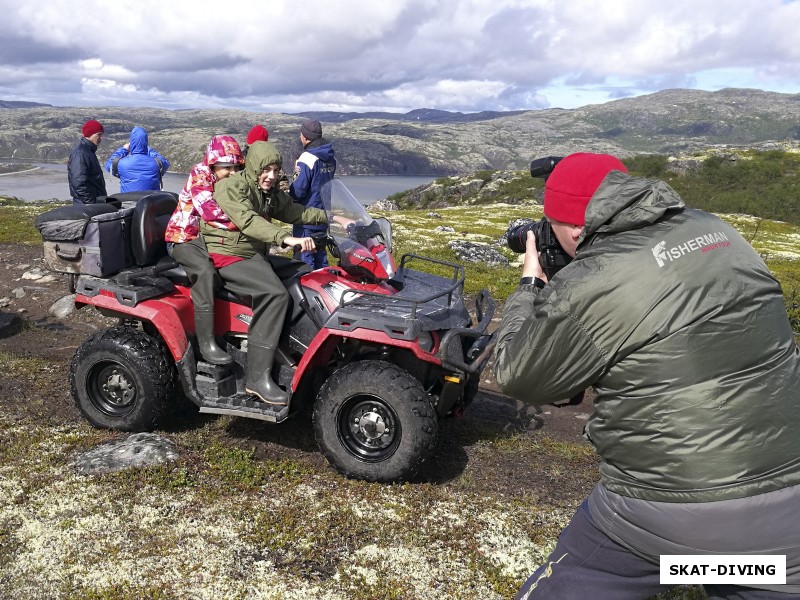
315 167
137 165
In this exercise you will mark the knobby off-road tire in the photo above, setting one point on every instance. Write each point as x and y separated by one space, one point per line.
374 421
121 378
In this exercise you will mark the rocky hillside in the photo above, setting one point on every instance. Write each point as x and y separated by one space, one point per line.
430 142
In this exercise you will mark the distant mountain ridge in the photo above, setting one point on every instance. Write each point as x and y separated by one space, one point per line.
428 141
20 104
419 115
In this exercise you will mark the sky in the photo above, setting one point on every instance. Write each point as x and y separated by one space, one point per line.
389 55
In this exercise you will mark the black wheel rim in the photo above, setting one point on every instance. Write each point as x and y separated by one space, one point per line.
368 428
112 388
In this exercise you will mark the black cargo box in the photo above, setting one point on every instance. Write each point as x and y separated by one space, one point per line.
93 239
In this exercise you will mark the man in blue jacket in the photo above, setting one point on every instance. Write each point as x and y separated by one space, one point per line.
137 165
315 167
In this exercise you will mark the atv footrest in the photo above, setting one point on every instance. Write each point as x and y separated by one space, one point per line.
243 405
127 294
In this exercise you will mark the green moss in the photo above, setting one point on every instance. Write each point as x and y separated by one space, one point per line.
120 591
9 546
313 541
683 593
504 585
384 586
241 469
16 222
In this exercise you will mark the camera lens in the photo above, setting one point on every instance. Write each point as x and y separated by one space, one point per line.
542 167
517 235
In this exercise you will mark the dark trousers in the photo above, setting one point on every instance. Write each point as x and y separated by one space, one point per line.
205 281
260 279
588 565
315 259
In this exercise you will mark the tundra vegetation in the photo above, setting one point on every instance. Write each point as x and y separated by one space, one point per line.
230 519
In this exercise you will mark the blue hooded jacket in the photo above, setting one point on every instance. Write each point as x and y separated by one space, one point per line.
140 167
315 167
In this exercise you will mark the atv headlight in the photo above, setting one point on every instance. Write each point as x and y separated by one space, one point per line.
425 340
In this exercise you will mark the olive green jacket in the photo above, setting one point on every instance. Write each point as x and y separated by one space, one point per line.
682 331
251 209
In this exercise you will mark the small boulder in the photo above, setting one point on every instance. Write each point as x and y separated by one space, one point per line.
137 450
478 253
34 274
384 205
63 307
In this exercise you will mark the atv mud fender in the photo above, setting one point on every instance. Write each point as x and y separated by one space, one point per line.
326 341
170 315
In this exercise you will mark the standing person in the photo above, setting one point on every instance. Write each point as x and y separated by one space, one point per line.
315 167
137 165
252 201
257 134
85 176
223 157
681 329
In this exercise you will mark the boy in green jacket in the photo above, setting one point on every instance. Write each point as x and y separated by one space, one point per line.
252 201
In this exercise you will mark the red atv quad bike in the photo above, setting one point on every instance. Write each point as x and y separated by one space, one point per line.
381 352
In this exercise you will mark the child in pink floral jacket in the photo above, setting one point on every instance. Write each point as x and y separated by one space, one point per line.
196 201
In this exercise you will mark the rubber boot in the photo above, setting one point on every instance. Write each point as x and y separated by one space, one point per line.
259 376
204 329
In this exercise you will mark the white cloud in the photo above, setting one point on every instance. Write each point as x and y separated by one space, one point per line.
352 55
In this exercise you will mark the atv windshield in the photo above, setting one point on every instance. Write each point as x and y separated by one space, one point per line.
363 239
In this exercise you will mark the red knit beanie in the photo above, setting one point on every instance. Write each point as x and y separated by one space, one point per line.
91 127
573 182
257 134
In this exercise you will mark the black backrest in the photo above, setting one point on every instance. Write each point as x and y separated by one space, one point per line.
150 219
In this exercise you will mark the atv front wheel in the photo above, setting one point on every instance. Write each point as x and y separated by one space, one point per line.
374 421
122 378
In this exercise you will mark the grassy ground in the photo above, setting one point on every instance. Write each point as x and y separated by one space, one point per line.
229 521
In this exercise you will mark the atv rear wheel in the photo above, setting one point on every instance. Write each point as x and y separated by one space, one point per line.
374 421
122 378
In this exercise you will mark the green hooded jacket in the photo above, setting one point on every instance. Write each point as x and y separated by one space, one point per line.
682 331
251 209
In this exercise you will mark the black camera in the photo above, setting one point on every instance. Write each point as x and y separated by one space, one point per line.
552 256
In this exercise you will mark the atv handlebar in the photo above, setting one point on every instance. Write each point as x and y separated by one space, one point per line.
320 239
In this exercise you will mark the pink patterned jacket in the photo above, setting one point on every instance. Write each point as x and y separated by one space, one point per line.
196 199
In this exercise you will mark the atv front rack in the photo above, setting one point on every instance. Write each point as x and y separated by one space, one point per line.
451 348
424 302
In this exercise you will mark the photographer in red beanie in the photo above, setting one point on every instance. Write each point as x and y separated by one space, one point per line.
678 325
85 176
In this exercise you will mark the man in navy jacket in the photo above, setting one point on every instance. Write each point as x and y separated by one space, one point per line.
137 165
315 167
86 182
